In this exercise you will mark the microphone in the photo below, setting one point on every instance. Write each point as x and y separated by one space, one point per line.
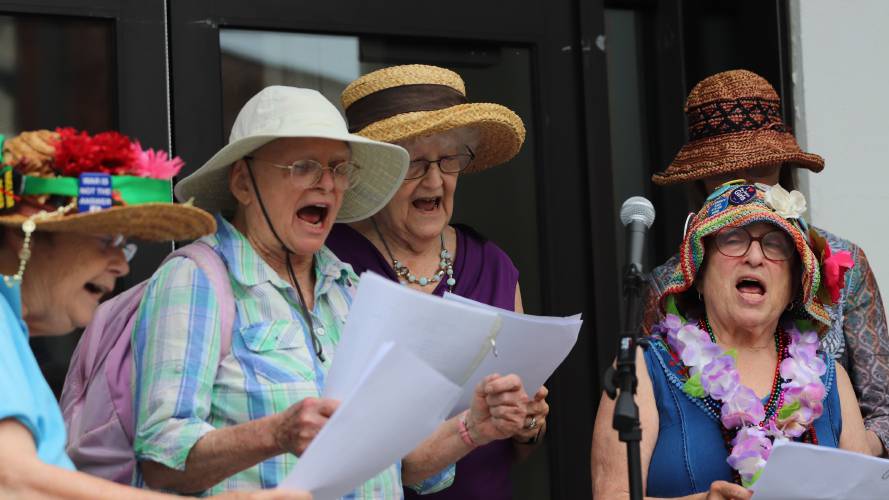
637 215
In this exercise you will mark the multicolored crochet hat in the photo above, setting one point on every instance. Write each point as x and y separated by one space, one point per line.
734 124
736 204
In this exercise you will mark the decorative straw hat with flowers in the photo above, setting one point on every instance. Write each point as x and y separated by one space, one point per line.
402 102
104 184
734 124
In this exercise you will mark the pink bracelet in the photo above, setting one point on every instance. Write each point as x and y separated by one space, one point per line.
464 431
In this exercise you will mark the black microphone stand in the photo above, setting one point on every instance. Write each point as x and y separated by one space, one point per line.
620 382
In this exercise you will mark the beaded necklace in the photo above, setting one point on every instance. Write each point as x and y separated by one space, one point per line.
748 427
405 276
776 395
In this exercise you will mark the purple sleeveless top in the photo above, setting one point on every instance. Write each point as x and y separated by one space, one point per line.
484 273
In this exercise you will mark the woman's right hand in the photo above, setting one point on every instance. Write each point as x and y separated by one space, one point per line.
298 425
724 490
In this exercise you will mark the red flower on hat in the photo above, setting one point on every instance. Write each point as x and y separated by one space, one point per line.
105 152
834 267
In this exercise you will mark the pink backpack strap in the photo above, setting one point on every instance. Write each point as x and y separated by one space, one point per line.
213 266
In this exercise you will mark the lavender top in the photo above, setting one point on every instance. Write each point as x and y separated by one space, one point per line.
484 273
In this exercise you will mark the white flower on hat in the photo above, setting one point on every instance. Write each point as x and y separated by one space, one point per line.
790 205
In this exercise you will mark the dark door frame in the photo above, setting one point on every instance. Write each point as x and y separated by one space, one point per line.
141 58
573 157
141 83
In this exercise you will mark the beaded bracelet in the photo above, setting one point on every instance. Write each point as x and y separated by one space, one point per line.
464 431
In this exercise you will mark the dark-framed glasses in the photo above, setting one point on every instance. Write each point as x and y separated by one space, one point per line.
307 173
736 241
119 242
451 164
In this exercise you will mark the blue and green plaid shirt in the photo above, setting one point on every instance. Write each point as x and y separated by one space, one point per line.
181 388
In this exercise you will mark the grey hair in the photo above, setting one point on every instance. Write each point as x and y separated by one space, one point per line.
468 136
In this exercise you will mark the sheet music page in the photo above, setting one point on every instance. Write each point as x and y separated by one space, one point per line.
530 346
451 337
799 471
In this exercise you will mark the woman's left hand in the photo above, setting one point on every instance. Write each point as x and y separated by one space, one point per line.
535 420
498 409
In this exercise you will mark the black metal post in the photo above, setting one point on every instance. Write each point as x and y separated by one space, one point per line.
621 382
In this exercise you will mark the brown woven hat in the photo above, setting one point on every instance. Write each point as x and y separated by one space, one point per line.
402 102
734 124
42 179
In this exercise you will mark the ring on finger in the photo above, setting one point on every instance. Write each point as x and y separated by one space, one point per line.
532 423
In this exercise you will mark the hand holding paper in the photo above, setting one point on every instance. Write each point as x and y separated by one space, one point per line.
300 423
498 408
399 401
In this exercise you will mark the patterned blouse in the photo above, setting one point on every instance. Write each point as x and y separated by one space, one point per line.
858 338
183 391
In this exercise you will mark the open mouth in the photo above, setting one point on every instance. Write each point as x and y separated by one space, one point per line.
313 214
751 286
96 289
427 204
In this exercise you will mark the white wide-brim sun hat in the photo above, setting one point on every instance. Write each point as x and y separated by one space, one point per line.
284 112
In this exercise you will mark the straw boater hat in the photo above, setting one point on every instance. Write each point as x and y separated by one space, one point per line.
402 102
734 124
735 204
288 112
106 184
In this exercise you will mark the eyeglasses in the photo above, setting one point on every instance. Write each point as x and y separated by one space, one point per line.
307 173
451 164
119 242
735 242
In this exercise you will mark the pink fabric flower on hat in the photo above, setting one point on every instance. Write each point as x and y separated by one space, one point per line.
834 267
154 164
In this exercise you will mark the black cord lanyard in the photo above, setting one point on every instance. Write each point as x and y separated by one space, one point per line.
303 309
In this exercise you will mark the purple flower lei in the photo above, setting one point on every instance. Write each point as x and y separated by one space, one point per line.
713 372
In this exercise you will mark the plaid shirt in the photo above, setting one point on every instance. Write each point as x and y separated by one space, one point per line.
183 391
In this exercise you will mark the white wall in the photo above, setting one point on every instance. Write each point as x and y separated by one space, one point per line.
841 92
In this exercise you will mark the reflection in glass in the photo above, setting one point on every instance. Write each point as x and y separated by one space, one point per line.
56 71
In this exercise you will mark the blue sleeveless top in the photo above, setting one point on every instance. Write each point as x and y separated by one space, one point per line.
690 452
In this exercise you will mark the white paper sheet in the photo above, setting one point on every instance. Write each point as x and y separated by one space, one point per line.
399 401
798 471
452 338
530 346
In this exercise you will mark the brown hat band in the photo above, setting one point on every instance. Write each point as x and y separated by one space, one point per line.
393 101
734 115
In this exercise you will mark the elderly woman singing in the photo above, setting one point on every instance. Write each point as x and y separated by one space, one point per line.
59 256
736 356
736 132
206 422
425 110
